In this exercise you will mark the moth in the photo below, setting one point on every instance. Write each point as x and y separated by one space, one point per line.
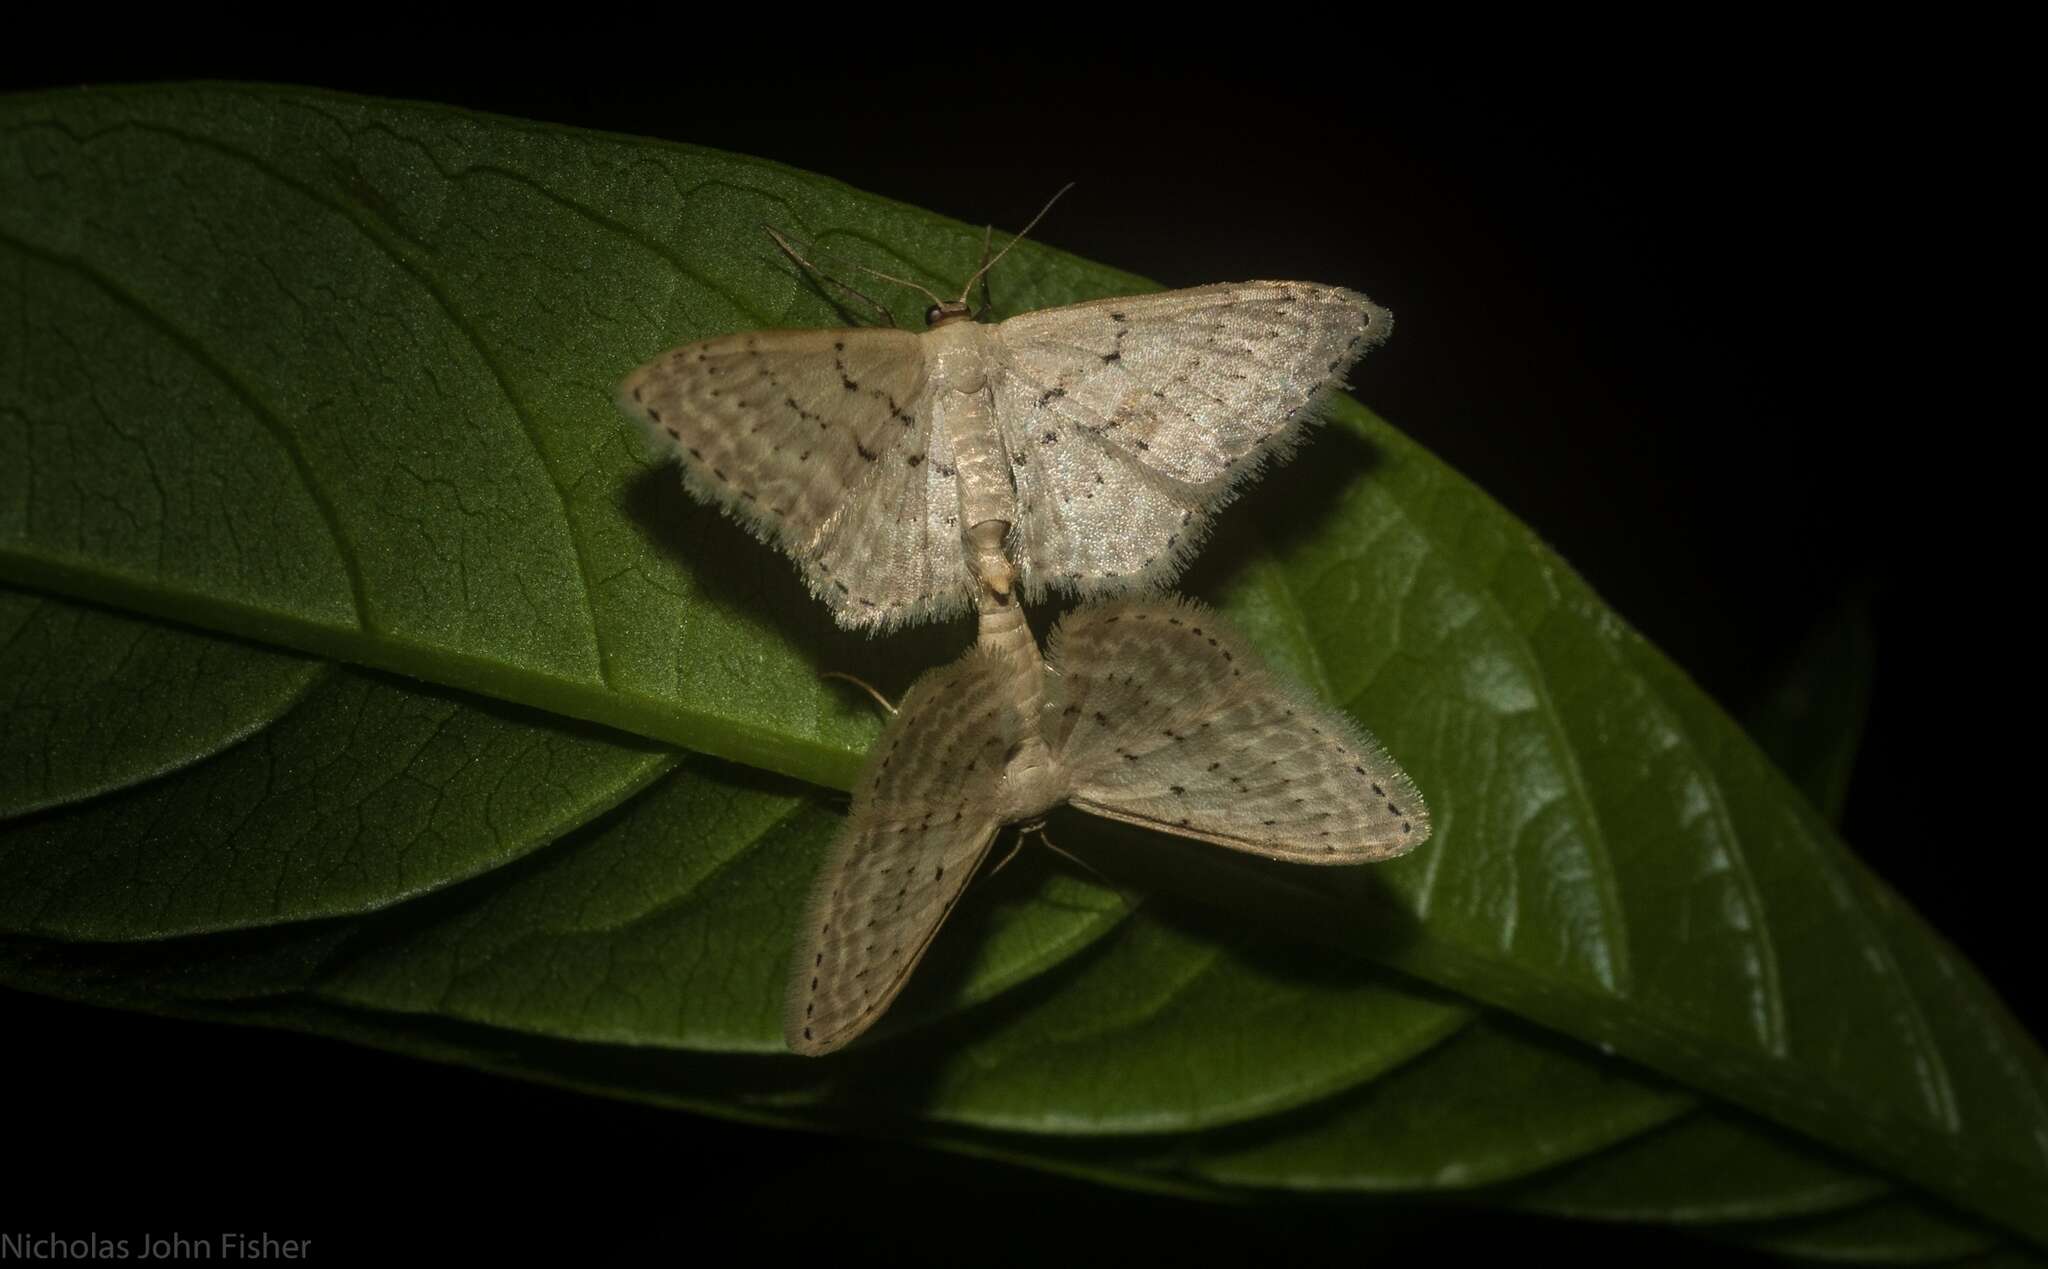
1092 443
1149 711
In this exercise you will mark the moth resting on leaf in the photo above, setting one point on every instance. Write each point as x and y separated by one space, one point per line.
1148 711
1104 435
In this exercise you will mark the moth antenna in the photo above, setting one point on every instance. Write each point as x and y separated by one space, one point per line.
886 317
983 270
863 685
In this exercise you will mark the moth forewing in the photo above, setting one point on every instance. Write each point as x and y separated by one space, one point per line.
924 811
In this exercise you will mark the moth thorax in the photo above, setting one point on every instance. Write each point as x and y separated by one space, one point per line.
956 357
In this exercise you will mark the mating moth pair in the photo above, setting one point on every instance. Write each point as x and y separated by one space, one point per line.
1080 449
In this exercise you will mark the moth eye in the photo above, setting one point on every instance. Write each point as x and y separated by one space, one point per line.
933 314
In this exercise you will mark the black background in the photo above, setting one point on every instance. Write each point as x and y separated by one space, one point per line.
1673 319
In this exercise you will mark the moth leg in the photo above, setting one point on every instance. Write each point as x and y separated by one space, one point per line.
862 684
1077 861
1014 848
1038 827
987 241
884 316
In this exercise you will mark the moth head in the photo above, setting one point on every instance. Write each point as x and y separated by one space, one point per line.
946 312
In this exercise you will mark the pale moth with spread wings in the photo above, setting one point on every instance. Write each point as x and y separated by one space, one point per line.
1148 711
1101 436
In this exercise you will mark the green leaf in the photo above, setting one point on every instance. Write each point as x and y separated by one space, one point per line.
1707 1168
97 702
353 792
335 376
